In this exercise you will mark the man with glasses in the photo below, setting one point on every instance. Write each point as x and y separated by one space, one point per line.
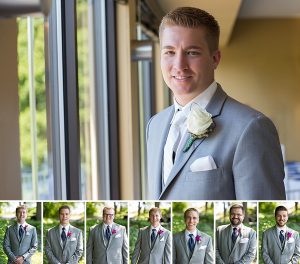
280 244
64 243
107 242
235 243
191 245
153 245
20 240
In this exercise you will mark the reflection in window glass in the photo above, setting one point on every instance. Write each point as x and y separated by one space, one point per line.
84 84
36 182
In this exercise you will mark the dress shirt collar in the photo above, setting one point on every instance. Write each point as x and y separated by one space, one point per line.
156 228
106 225
188 232
281 228
202 100
67 227
24 224
239 227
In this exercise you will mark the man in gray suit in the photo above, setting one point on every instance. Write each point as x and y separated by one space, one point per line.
192 246
64 243
280 244
207 145
153 245
20 240
235 243
107 243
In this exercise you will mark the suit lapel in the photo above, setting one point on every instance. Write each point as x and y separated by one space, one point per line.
57 234
183 243
276 238
197 244
214 107
112 236
237 241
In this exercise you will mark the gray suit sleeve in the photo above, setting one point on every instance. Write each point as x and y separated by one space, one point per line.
7 246
125 248
219 259
258 164
296 256
48 250
251 253
33 245
265 250
167 250
137 249
79 249
90 246
209 253
174 253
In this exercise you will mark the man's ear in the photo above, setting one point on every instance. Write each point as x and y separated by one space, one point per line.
216 58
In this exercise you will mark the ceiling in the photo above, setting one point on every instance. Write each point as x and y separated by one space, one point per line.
227 12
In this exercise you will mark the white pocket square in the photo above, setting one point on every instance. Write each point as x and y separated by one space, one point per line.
203 247
73 238
118 235
162 239
291 240
203 164
244 240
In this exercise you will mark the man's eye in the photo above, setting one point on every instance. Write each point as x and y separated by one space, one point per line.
193 53
169 52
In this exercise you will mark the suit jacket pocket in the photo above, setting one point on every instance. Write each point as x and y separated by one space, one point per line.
210 175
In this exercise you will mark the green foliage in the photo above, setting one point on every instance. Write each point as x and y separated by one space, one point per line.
267 208
51 209
36 259
179 207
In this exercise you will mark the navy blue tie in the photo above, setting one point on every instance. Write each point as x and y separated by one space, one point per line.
153 235
108 233
21 232
281 237
234 235
191 243
63 235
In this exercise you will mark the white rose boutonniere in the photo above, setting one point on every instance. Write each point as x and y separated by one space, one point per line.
199 125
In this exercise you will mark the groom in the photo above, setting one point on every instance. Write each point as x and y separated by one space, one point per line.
227 151
280 244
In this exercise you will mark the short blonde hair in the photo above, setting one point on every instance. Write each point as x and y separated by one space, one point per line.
23 206
192 17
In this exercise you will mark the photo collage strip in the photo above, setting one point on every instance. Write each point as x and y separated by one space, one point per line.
149 232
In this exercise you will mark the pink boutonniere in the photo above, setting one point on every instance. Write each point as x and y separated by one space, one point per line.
289 235
198 238
69 234
160 232
114 231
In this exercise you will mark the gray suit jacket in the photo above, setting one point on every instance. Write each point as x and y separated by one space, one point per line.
274 253
157 253
244 145
14 247
203 252
70 253
244 249
115 252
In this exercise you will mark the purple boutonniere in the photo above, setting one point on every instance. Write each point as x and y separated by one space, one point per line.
198 238
114 231
160 232
69 234
289 235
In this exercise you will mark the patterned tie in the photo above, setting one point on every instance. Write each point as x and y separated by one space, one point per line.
21 232
153 235
107 233
172 143
234 235
281 237
191 243
63 235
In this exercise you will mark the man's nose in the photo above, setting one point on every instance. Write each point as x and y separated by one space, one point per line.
180 62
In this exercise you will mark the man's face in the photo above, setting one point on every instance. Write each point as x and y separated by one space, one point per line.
21 215
191 220
108 216
281 218
64 216
236 216
155 218
186 62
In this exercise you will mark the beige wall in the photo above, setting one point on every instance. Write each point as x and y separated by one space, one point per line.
10 187
261 68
